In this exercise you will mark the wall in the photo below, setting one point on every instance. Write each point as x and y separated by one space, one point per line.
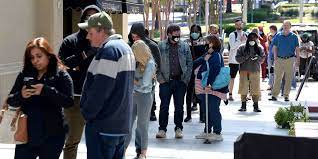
22 20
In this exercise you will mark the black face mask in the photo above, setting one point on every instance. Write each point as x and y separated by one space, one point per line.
175 38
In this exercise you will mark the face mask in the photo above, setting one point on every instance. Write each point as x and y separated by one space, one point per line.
195 35
175 38
252 43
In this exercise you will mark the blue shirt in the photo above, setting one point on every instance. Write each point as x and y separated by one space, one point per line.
286 44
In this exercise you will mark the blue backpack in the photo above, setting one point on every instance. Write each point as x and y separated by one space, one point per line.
223 78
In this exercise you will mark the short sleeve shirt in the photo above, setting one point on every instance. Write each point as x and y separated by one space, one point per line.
304 53
286 44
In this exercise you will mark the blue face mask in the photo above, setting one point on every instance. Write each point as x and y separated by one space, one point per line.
195 36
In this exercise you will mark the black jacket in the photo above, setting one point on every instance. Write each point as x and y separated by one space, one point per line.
71 51
139 29
45 116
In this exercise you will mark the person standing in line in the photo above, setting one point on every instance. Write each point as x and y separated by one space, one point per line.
76 53
286 48
144 77
42 90
215 61
250 57
270 57
263 40
198 48
139 32
236 39
306 51
107 98
174 75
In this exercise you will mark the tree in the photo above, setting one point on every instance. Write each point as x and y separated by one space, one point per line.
228 6
146 14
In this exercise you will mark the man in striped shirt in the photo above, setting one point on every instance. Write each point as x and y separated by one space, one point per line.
106 102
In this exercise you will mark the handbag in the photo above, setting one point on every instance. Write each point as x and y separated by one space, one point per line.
223 78
13 126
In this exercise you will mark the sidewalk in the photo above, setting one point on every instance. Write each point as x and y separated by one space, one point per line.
234 124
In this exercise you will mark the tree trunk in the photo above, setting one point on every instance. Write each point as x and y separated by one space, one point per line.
195 10
153 14
189 14
146 14
228 6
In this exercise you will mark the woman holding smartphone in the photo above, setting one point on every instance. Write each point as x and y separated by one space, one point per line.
42 89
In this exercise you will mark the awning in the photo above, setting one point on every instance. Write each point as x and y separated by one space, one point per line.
120 6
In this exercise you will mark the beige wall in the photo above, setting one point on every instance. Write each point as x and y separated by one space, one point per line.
22 20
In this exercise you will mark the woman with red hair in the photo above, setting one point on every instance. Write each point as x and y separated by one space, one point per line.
42 90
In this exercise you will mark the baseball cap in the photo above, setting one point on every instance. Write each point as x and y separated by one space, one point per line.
101 19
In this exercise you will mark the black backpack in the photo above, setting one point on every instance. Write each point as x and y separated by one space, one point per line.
235 33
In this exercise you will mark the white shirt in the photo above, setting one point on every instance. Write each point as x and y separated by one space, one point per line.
234 45
304 53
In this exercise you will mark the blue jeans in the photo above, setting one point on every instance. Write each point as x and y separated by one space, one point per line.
177 89
214 115
102 146
50 149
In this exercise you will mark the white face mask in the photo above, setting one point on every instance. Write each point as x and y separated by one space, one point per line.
252 43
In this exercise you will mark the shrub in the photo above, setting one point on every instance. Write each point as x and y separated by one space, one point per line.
286 117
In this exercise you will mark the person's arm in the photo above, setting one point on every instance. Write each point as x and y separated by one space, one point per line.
160 77
275 48
199 61
297 52
240 56
15 96
189 63
215 67
147 76
98 87
62 95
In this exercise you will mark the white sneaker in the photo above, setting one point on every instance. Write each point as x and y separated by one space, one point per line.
202 135
215 137
178 134
161 134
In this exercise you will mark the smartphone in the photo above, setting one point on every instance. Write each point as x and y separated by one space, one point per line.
28 82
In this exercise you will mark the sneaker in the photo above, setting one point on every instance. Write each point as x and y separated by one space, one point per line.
215 137
188 119
161 134
273 98
286 99
178 134
242 110
231 98
203 135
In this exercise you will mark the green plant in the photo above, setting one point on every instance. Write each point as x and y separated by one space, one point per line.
286 117
157 34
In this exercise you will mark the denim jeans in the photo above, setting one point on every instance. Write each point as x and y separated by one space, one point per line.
177 89
102 146
214 115
50 149
141 111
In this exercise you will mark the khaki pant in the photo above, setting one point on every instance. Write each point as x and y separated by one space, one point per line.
249 81
283 67
76 124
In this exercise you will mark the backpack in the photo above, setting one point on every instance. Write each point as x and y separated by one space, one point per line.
235 33
223 78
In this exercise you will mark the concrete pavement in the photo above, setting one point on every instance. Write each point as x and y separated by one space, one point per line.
234 123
